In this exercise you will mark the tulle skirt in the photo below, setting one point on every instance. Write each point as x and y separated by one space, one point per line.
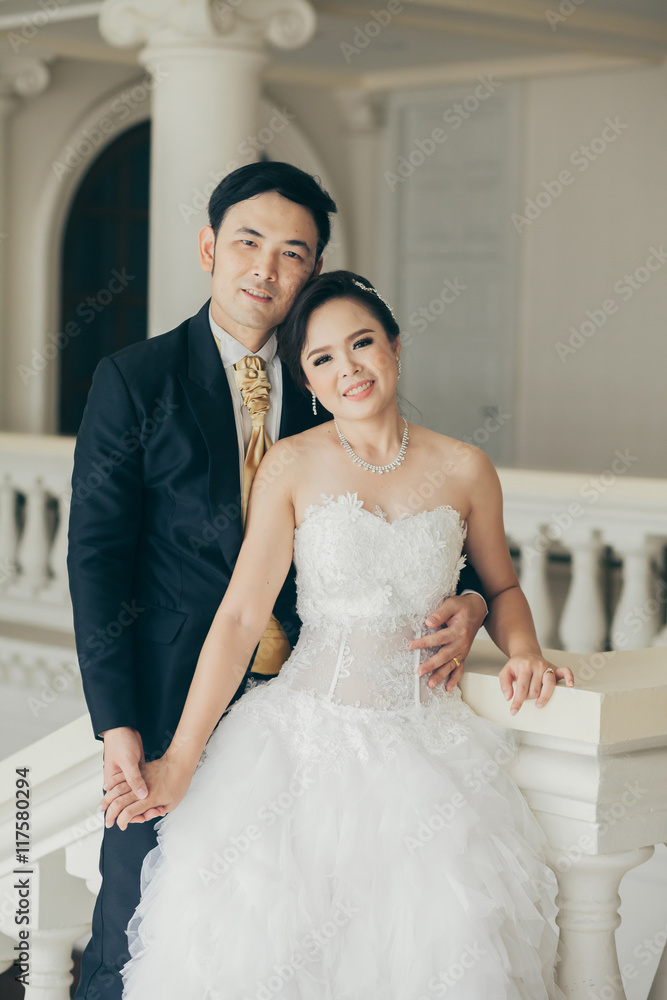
330 853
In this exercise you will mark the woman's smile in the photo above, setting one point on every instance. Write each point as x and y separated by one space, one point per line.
360 390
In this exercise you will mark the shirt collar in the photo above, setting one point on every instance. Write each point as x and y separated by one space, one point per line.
232 350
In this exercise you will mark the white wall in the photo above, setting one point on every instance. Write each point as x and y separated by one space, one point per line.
610 393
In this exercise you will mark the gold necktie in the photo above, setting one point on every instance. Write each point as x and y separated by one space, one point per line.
250 376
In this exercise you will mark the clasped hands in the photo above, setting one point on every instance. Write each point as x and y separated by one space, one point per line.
136 790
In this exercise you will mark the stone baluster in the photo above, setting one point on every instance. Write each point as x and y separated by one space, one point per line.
534 553
583 623
209 56
588 902
33 546
8 532
636 619
58 586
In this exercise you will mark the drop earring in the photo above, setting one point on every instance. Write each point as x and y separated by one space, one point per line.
314 402
398 361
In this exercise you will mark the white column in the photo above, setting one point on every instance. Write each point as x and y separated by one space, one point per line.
19 77
363 117
206 61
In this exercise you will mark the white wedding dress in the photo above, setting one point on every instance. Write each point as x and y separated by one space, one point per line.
351 833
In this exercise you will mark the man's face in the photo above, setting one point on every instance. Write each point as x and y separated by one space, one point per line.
264 254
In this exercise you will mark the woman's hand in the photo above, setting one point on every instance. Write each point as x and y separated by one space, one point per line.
531 680
167 782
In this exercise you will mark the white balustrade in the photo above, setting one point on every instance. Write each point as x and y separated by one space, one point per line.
35 475
545 513
580 515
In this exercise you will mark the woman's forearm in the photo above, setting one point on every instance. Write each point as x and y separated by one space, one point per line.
510 623
221 666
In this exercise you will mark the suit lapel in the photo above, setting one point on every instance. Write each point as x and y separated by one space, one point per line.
207 389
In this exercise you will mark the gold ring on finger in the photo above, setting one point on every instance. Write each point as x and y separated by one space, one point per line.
456 661
549 670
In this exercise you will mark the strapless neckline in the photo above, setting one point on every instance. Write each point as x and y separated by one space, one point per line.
353 501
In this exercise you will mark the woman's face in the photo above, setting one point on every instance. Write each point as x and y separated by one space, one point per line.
348 360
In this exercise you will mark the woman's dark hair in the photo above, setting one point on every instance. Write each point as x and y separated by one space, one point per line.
324 288
290 182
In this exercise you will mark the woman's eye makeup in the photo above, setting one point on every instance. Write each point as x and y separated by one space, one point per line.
327 357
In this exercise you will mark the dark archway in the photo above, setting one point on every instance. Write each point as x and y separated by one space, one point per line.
104 267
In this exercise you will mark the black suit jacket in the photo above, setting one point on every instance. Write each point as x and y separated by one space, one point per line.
155 524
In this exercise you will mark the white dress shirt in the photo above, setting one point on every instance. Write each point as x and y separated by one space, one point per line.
231 351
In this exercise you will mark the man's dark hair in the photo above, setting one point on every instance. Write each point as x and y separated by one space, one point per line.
327 286
289 181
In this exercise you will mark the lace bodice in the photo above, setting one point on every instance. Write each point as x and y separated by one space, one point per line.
364 588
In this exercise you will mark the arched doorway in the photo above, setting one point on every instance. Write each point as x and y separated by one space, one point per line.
104 267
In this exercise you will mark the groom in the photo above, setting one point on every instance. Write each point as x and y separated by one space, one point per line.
157 494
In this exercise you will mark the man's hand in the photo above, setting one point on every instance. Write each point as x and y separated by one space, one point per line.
462 616
168 781
123 753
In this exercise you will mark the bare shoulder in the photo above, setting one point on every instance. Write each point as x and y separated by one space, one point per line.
457 458
286 459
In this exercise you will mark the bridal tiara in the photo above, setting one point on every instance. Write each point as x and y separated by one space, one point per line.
369 288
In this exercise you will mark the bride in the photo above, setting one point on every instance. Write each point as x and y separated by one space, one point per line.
349 831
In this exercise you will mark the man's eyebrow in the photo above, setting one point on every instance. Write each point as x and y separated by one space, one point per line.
356 333
291 243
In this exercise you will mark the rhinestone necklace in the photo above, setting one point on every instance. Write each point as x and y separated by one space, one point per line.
367 465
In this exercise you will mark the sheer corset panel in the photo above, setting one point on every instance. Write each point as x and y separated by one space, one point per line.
365 586
355 666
